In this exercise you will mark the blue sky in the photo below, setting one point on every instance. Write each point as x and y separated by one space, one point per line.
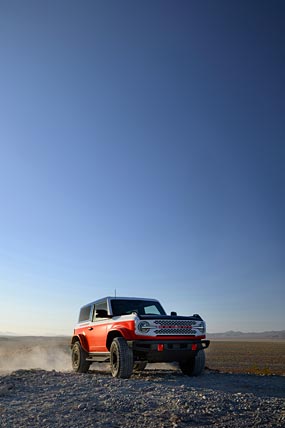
142 149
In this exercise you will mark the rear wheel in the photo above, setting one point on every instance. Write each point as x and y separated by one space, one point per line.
121 358
78 357
194 366
139 366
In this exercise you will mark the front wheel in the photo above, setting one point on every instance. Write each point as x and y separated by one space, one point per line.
195 365
121 358
78 357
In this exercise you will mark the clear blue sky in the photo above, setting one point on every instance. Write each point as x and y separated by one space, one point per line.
142 149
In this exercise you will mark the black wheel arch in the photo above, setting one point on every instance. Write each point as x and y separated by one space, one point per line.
111 336
82 340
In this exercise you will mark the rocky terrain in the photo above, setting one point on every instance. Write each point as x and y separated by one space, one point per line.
38 389
153 398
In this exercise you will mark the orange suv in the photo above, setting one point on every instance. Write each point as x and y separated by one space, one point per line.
130 332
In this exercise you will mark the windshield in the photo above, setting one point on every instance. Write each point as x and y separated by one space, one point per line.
141 307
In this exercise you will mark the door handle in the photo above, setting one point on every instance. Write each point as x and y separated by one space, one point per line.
90 328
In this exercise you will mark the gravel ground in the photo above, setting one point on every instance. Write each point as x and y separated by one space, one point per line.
153 399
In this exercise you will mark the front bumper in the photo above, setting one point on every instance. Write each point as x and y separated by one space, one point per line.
155 351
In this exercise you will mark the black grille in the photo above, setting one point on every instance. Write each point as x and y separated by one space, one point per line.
182 331
179 323
182 327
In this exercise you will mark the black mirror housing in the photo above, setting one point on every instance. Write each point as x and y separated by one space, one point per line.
101 313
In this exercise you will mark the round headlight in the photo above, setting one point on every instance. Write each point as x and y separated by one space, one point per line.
143 327
203 327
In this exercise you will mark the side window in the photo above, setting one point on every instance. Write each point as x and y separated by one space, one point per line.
84 313
100 311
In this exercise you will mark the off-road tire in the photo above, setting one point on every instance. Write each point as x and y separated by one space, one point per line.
121 358
139 366
78 357
195 365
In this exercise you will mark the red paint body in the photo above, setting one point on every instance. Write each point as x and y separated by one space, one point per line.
94 336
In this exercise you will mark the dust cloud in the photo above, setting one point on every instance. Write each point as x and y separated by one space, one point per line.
47 353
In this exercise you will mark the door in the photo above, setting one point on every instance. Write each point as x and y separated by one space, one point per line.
97 331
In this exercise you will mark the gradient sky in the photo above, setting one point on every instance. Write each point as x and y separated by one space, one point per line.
142 149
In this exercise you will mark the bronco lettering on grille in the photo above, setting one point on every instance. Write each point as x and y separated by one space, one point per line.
175 326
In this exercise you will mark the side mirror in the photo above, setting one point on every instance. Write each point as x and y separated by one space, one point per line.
173 314
101 313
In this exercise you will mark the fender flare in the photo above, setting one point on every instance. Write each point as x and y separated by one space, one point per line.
125 332
116 332
82 340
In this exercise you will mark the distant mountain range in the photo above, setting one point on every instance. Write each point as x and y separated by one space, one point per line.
240 335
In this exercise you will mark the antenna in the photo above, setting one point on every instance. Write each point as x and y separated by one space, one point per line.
115 293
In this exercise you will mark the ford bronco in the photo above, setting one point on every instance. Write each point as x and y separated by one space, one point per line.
130 332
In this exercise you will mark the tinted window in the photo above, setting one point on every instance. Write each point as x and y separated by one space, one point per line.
142 307
84 313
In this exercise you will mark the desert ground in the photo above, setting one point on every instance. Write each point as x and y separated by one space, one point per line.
243 386
262 357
